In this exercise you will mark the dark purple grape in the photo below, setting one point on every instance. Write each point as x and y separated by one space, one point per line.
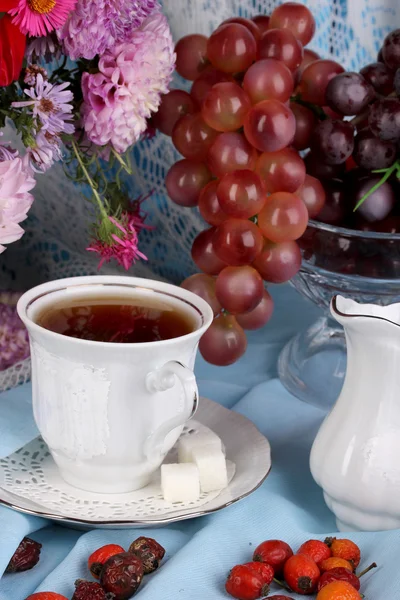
321 170
397 82
371 152
384 119
379 204
379 76
333 140
391 49
389 225
336 207
349 93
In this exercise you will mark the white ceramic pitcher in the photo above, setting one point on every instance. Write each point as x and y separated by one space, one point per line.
355 457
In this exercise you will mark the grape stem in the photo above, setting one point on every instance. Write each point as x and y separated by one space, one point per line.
387 173
317 110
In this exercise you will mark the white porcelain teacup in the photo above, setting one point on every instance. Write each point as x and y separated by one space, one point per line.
110 412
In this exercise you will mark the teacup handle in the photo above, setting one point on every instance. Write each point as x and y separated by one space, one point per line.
163 379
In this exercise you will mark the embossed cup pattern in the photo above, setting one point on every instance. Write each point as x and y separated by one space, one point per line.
107 429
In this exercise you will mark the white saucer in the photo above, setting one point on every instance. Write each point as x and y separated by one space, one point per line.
30 483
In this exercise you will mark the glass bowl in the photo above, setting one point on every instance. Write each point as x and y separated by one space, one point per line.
361 265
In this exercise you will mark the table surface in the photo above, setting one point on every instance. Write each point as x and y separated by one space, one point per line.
200 552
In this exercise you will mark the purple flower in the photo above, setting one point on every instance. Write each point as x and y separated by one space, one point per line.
97 25
47 48
16 181
132 76
14 340
45 151
50 105
31 73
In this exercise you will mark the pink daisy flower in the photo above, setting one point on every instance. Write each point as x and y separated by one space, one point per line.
40 17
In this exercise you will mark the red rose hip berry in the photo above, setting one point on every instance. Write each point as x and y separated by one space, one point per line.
345 549
149 551
316 550
46 596
301 574
273 552
244 583
25 557
338 574
121 575
263 569
100 556
88 590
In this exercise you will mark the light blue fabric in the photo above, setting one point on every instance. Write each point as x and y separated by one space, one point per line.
200 552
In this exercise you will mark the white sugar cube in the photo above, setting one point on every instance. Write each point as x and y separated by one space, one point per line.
189 443
180 482
212 468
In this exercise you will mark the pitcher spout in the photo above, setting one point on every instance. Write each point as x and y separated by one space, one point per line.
343 309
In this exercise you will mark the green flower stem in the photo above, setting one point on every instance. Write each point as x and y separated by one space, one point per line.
89 179
127 167
388 172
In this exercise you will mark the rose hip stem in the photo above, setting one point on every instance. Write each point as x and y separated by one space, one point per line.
372 566
282 584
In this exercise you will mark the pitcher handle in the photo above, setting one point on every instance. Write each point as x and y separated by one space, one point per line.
163 379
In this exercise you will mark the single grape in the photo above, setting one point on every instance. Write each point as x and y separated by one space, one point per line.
192 137
174 105
336 207
379 76
349 93
270 126
278 263
258 317
185 180
209 206
384 119
224 342
281 45
283 218
308 57
316 167
371 152
305 124
262 22
315 79
230 152
225 107
391 49
266 79
231 48
313 195
191 55
204 286
203 253
295 17
379 204
241 194
237 242
239 289
205 81
249 24
282 171
333 140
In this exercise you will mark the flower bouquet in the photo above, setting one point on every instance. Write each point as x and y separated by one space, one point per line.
79 79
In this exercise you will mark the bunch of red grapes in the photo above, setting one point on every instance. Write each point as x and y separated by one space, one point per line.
259 99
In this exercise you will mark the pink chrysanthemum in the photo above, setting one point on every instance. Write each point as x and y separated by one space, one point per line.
97 25
16 182
132 76
123 247
39 17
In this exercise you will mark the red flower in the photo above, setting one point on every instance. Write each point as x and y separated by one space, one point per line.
12 47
